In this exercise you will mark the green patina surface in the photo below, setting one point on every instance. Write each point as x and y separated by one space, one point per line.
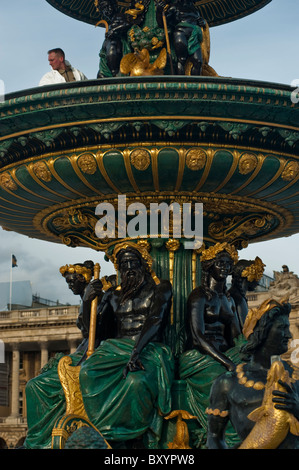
102 123
216 12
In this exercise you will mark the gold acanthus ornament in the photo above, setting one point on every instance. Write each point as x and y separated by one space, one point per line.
255 271
211 252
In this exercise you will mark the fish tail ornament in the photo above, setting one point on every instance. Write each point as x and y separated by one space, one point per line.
272 425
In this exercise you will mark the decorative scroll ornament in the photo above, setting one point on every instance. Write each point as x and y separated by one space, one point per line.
239 226
71 218
212 251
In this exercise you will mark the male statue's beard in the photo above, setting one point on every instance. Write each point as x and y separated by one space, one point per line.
130 284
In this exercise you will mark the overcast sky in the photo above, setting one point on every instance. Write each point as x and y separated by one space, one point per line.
262 46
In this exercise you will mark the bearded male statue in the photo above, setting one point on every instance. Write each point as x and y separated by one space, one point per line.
126 382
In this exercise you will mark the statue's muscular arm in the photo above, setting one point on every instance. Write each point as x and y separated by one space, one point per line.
218 412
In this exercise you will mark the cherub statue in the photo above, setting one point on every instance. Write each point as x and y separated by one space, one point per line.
190 36
116 29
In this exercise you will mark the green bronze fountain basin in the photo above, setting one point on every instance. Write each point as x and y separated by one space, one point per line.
231 144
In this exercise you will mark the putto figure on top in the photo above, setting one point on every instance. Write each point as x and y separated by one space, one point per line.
186 23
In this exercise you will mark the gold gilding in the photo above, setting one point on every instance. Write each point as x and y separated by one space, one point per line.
272 424
181 439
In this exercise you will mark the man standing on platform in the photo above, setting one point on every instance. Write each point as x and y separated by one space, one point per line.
62 71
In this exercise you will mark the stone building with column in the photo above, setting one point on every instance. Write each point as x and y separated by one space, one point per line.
31 337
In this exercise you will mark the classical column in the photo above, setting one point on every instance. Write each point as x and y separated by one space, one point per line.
44 353
72 345
15 388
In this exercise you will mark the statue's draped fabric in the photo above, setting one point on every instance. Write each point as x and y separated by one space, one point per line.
200 371
120 408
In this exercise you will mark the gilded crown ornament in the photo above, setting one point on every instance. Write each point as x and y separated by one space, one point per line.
142 247
255 271
77 269
212 251
135 246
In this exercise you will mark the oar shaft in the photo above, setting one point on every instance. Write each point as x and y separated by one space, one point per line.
93 317
167 42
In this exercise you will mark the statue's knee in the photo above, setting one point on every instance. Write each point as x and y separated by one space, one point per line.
84 375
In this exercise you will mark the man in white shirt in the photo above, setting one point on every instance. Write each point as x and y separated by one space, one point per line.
62 71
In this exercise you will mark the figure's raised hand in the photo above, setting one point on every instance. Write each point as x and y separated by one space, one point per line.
288 400
93 290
